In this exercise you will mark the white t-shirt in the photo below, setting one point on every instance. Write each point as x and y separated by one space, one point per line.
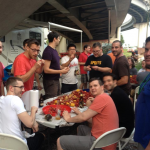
70 78
141 70
10 107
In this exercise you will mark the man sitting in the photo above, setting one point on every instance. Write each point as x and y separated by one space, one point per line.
13 112
103 115
122 102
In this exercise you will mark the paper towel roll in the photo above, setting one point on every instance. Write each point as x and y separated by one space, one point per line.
26 100
34 98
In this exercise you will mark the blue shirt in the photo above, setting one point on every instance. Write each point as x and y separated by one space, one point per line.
142 114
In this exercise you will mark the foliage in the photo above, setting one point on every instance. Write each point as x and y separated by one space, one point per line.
127 54
122 39
106 48
138 66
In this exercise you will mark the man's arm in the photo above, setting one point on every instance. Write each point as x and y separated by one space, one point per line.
66 64
122 81
81 63
38 81
80 117
102 69
2 89
148 146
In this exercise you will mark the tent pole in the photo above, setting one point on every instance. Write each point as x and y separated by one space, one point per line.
81 41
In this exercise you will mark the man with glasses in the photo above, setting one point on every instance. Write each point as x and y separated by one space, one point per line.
98 63
25 65
69 80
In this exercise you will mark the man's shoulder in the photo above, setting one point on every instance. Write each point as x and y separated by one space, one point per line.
20 57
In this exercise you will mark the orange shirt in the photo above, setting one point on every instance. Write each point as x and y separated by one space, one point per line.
106 119
22 65
113 58
1 76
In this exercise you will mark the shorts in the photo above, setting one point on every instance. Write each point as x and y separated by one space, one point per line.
82 141
84 78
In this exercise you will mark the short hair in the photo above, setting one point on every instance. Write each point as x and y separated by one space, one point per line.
96 79
32 41
147 40
70 45
86 46
25 42
143 60
133 63
52 35
97 44
117 41
110 74
12 81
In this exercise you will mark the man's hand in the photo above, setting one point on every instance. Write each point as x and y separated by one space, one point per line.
35 127
76 110
39 87
34 109
66 115
65 70
95 67
89 101
88 68
72 57
38 64
42 62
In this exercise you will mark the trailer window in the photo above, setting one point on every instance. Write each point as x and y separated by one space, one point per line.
2 39
35 35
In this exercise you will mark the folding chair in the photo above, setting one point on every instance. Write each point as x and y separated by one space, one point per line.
136 95
11 142
127 140
109 138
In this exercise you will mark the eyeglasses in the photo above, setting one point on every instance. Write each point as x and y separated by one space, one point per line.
96 51
34 50
21 87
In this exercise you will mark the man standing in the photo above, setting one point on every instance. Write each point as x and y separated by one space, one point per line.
69 80
101 113
98 63
123 103
1 73
82 59
13 112
121 67
52 68
142 109
25 64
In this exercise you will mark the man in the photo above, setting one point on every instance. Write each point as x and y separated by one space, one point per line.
98 63
13 112
121 67
123 103
142 110
25 65
113 58
69 80
82 59
1 73
52 68
143 69
101 113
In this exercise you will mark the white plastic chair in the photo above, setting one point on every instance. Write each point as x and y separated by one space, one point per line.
128 140
11 142
135 96
109 138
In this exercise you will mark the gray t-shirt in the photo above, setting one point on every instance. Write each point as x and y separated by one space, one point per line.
141 76
133 71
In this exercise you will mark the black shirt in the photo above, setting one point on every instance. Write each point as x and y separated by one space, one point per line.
124 109
102 61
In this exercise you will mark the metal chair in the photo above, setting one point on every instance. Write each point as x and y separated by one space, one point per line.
11 142
109 138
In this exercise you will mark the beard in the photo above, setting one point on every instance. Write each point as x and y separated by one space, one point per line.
147 66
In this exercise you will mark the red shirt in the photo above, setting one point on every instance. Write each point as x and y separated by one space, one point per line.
82 58
22 65
106 119
1 76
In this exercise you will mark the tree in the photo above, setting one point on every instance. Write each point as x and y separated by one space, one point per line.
122 39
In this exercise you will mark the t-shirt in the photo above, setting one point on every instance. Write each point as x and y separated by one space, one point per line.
83 58
124 108
51 54
141 70
10 107
141 76
120 69
102 61
113 58
1 76
22 65
133 71
142 114
107 117
70 78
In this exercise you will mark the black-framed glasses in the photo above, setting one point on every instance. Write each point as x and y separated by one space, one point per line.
34 50
21 87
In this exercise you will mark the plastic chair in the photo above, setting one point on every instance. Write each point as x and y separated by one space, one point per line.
11 142
135 96
109 138
127 140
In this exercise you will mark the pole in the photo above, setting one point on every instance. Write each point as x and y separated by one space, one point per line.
81 41
108 26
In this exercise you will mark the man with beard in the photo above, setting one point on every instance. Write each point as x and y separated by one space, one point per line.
1 73
25 65
121 67
123 103
142 109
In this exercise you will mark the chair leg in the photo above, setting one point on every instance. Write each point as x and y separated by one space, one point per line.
119 146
